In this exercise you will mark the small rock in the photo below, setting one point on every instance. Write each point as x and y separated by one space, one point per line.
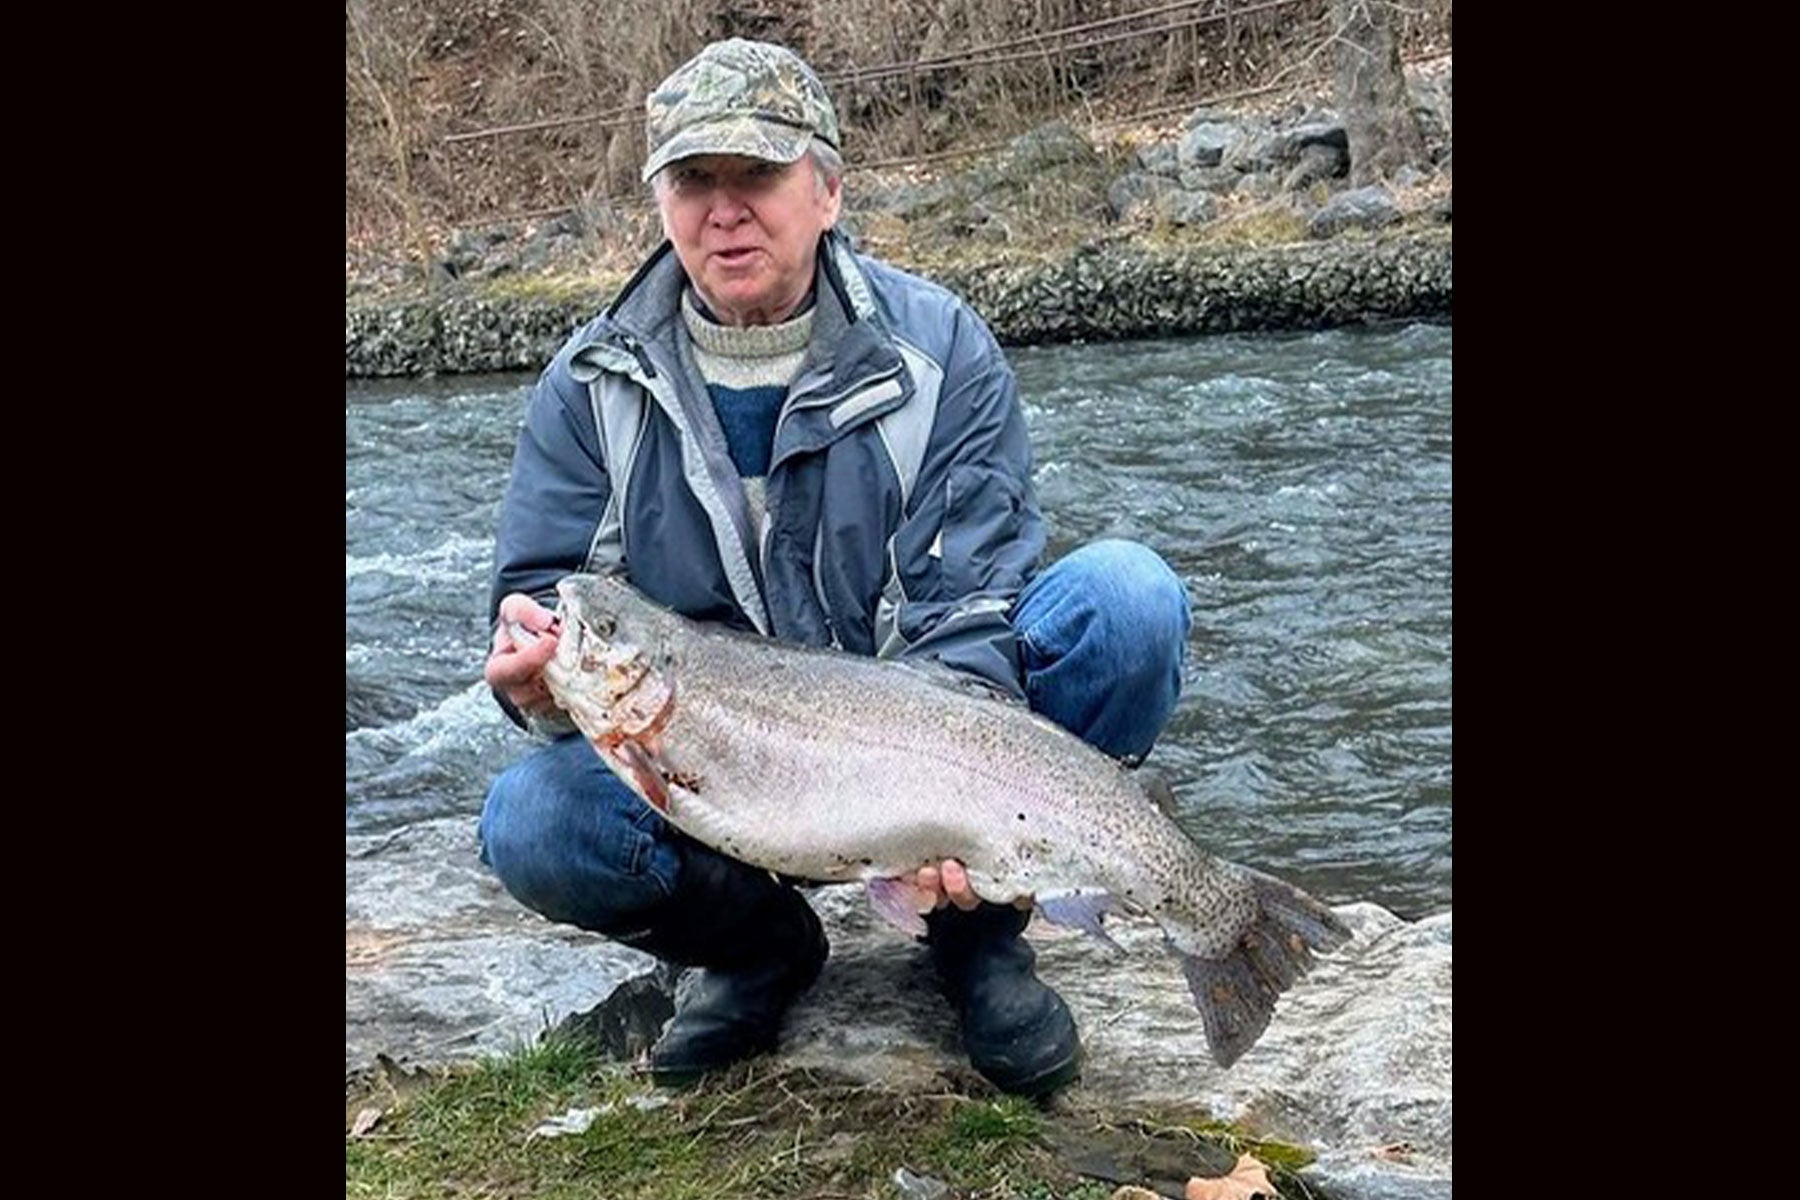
1361 208
1287 147
1134 188
1217 180
1159 158
1188 208
1253 150
627 1023
1318 161
1205 144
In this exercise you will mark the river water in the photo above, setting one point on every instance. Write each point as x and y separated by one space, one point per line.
1298 483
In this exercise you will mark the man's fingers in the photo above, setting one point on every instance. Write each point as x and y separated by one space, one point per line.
949 884
930 890
956 886
522 609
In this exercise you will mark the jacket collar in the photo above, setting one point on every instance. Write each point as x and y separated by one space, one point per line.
853 371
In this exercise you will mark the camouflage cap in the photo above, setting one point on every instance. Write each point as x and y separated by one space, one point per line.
738 97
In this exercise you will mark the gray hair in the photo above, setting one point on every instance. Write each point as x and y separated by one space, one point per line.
828 166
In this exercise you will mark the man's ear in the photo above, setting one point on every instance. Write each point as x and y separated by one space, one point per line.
833 201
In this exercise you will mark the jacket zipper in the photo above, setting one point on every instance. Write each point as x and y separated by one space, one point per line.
642 355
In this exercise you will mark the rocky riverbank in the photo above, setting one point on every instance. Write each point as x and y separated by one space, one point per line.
1096 293
1237 220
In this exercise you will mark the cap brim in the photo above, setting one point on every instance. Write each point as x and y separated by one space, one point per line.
748 136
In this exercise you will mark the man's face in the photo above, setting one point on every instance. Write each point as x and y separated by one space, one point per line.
747 231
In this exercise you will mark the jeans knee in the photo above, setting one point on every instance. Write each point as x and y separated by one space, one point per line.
1103 632
515 822
1140 603
571 843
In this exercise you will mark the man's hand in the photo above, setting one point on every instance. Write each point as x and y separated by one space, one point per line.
515 669
949 884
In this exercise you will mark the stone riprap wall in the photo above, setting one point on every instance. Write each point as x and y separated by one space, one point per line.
1101 292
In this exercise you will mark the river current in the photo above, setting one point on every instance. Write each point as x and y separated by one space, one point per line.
1298 483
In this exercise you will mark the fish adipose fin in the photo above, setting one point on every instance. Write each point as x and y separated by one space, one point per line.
894 899
1236 994
1080 910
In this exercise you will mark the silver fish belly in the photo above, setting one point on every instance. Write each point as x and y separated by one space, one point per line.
835 767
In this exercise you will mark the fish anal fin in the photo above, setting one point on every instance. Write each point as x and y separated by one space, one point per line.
1083 910
895 900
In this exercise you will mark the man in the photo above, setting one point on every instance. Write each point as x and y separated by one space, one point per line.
769 430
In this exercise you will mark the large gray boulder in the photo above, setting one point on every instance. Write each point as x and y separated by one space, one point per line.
441 965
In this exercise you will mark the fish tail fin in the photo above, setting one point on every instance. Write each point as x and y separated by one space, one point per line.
1236 994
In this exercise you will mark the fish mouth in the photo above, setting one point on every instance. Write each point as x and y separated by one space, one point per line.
608 684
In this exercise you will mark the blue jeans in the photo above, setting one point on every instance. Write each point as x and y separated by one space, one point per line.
1102 634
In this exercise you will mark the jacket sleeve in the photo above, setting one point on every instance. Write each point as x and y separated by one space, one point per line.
553 502
973 535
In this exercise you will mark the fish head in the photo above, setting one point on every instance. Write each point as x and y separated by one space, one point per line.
611 669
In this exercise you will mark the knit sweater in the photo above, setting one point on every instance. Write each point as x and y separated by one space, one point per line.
747 371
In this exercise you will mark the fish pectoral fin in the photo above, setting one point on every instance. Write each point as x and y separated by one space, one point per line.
1083 910
644 770
896 901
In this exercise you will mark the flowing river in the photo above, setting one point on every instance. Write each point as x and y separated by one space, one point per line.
1298 483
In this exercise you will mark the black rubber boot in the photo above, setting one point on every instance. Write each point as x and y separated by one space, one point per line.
758 943
1018 1033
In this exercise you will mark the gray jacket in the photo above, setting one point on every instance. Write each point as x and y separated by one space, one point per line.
901 519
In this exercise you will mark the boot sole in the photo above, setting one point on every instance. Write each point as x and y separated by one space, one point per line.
1043 1083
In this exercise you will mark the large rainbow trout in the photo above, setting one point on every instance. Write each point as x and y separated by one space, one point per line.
834 767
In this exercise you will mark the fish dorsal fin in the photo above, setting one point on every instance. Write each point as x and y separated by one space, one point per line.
1155 783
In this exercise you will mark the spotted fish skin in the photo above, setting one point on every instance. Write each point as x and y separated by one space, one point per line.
835 767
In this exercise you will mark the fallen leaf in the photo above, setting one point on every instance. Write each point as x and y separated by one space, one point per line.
1394 1152
1248 1180
365 1121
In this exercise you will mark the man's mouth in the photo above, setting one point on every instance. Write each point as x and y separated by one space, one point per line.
736 257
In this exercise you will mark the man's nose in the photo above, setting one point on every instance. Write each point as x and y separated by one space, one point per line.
728 208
